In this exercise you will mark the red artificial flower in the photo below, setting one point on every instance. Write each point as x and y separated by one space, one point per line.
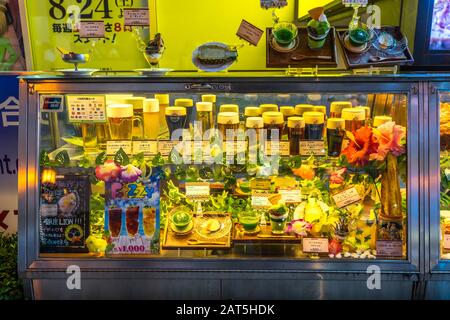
359 150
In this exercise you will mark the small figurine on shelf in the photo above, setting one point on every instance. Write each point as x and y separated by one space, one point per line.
318 28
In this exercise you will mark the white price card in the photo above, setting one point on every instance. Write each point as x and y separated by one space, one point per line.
346 197
249 32
86 108
291 195
389 248
260 200
197 190
136 16
92 29
315 245
147 147
281 148
312 147
166 147
113 146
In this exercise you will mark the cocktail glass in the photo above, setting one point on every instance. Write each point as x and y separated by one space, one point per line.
115 221
149 220
132 220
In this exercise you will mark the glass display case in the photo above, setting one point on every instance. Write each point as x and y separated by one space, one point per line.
220 173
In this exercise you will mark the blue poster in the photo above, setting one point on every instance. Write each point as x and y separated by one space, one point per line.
9 128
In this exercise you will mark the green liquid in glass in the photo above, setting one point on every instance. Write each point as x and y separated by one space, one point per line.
284 35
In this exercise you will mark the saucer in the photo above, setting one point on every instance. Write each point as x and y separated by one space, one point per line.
188 229
256 231
77 73
275 46
155 72
353 49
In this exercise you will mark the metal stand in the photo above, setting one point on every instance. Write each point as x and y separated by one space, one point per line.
376 70
306 72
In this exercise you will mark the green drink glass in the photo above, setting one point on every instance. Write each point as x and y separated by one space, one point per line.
285 33
278 218
249 220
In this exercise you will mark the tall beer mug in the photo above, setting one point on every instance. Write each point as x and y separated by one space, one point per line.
120 120
138 120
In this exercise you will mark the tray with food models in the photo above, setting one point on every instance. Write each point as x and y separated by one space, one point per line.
363 47
209 230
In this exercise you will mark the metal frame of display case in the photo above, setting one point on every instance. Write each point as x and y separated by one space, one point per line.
42 273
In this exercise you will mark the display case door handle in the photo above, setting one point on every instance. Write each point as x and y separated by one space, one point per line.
200 86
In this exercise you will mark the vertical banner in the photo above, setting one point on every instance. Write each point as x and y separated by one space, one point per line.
56 24
9 125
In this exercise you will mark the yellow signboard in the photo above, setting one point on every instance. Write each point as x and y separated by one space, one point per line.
56 23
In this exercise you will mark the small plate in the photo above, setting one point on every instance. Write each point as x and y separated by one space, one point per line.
77 73
155 72
353 49
275 46
188 229
225 227
211 67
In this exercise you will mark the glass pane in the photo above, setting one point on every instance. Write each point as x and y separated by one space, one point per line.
305 176
445 174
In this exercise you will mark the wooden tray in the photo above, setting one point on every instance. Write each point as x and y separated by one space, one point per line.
173 241
275 59
361 60
265 231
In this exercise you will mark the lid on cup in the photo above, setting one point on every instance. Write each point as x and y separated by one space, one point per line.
228 118
119 111
254 122
204 106
162 97
351 114
313 117
229 108
151 105
366 110
267 107
335 123
296 122
322 109
302 108
137 102
209 98
337 106
184 103
287 111
252 112
175 111
379 120
273 117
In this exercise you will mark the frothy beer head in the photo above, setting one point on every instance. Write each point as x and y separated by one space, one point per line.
119 111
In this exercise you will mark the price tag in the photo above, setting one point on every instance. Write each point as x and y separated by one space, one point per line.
149 148
266 4
197 190
92 29
388 248
346 197
53 103
260 200
166 147
315 245
113 146
281 148
136 16
355 2
312 147
447 241
232 148
260 184
84 108
291 195
249 33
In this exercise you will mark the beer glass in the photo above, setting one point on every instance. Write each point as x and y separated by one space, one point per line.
120 119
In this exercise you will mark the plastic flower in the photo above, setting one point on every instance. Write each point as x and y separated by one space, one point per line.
305 172
108 172
361 147
300 227
130 173
389 137
337 177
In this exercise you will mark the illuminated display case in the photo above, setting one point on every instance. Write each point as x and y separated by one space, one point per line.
335 194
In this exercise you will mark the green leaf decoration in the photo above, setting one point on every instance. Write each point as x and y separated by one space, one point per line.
44 160
101 158
138 159
359 232
84 163
158 160
62 159
76 141
366 239
121 158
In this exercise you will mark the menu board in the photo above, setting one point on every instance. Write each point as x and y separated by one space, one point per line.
87 109
132 216
64 214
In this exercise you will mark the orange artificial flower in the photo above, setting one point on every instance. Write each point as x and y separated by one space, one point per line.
359 150
305 172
